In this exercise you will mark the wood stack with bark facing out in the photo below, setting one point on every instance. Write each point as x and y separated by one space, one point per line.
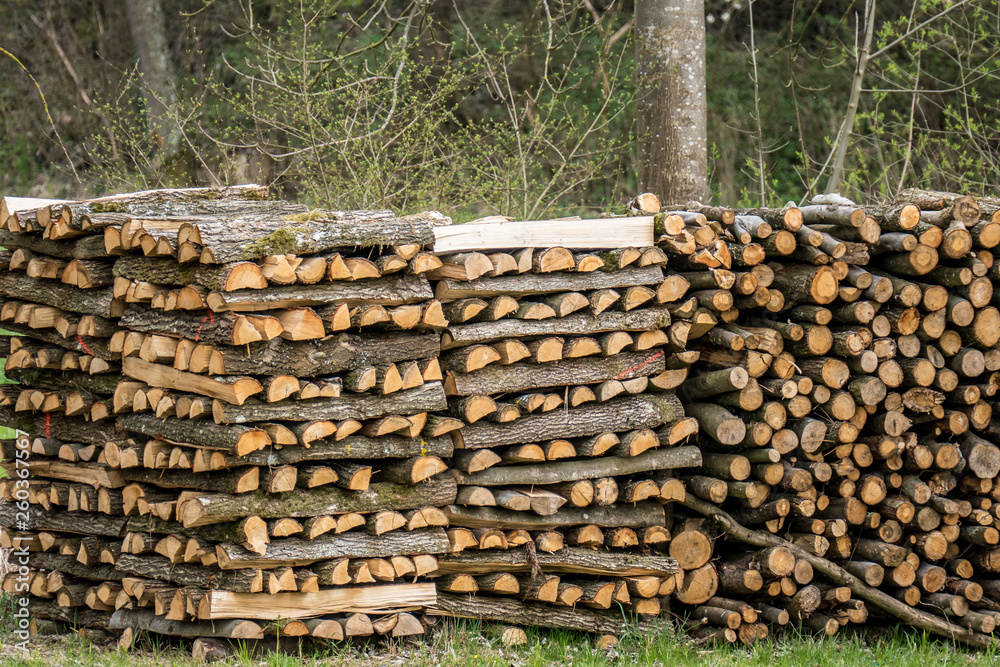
248 419
227 404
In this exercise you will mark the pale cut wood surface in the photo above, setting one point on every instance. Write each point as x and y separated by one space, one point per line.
370 600
577 234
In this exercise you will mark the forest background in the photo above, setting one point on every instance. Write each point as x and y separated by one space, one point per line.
476 107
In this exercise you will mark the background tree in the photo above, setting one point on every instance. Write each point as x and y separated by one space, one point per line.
148 27
671 99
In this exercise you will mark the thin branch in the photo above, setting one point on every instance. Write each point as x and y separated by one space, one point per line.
843 140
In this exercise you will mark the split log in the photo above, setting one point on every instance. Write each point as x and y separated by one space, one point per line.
333 354
638 515
215 508
624 414
425 398
523 377
293 552
531 284
646 319
393 290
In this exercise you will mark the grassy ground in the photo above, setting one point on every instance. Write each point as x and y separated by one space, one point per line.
469 643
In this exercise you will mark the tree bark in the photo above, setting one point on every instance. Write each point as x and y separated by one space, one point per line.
156 567
333 354
293 552
143 619
425 398
90 301
633 515
567 560
392 290
497 379
531 613
351 447
253 237
625 414
569 471
671 99
66 522
215 508
87 247
527 284
239 440
645 319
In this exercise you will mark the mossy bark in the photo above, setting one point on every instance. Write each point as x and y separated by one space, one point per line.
645 319
333 354
496 379
293 552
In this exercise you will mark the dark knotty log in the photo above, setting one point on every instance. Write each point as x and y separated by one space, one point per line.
528 613
61 521
522 377
253 237
142 619
333 354
215 508
425 398
239 440
219 277
75 616
90 301
637 515
624 414
644 319
569 471
88 247
393 290
221 328
156 567
838 575
530 283
293 552
68 429
69 565
236 480
40 378
351 447
567 560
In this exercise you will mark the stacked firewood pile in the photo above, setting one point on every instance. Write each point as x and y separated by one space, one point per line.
228 406
557 363
245 418
844 393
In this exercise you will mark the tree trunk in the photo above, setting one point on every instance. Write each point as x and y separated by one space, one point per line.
147 24
671 99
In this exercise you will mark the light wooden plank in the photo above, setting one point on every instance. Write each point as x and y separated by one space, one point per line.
576 234
368 600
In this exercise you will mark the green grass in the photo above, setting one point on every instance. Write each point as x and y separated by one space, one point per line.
471 643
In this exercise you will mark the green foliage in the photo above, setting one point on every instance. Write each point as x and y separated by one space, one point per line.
470 642
519 108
